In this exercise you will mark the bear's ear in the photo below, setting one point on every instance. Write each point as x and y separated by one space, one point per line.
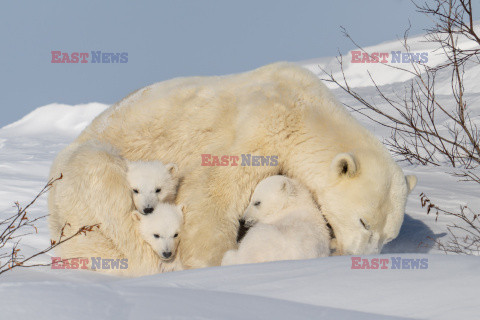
132 165
288 186
172 168
129 165
181 208
344 164
136 215
411 182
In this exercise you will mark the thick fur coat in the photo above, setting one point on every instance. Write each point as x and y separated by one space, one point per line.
278 110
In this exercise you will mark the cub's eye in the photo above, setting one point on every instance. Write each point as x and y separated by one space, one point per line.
135 190
158 190
365 225
175 235
257 203
156 236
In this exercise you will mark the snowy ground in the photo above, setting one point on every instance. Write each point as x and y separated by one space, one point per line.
324 288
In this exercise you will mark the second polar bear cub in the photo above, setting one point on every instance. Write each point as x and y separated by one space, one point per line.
161 230
286 225
151 182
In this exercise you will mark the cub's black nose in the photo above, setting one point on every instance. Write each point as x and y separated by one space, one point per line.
147 210
167 254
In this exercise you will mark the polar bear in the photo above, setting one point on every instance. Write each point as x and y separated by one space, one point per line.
151 182
161 230
286 225
280 110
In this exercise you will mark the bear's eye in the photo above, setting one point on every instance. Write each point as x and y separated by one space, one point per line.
257 203
158 190
156 236
175 235
365 225
135 190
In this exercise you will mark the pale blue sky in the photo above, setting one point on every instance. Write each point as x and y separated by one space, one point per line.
166 39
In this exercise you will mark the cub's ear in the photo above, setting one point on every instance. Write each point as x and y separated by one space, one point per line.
288 186
344 164
128 165
137 216
411 182
181 208
132 165
172 168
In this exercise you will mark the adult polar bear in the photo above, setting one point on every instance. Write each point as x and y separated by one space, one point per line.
279 109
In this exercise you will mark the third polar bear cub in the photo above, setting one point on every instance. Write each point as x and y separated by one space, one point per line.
287 225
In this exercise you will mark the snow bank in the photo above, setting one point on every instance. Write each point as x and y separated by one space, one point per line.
54 120
358 76
313 289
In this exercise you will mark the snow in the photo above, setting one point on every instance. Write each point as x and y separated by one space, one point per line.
321 288
385 74
314 289
55 120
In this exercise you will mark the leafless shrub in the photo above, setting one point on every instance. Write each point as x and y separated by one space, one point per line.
19 225
426 129
467 244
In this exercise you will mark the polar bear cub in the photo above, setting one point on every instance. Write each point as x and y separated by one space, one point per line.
151 183
161 230
286 225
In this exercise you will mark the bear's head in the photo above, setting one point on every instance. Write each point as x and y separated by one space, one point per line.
151 182
272 196
364 201
161 229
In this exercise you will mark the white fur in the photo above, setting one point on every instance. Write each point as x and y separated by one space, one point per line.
279 109
161 230
151 182
360 224
287 225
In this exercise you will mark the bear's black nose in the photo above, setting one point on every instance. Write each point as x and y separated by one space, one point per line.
167 254
147 210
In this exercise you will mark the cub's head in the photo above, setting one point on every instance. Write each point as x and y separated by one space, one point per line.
161 229
364 201
151 182
272 195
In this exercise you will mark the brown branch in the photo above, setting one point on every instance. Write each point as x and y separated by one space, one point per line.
12 234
